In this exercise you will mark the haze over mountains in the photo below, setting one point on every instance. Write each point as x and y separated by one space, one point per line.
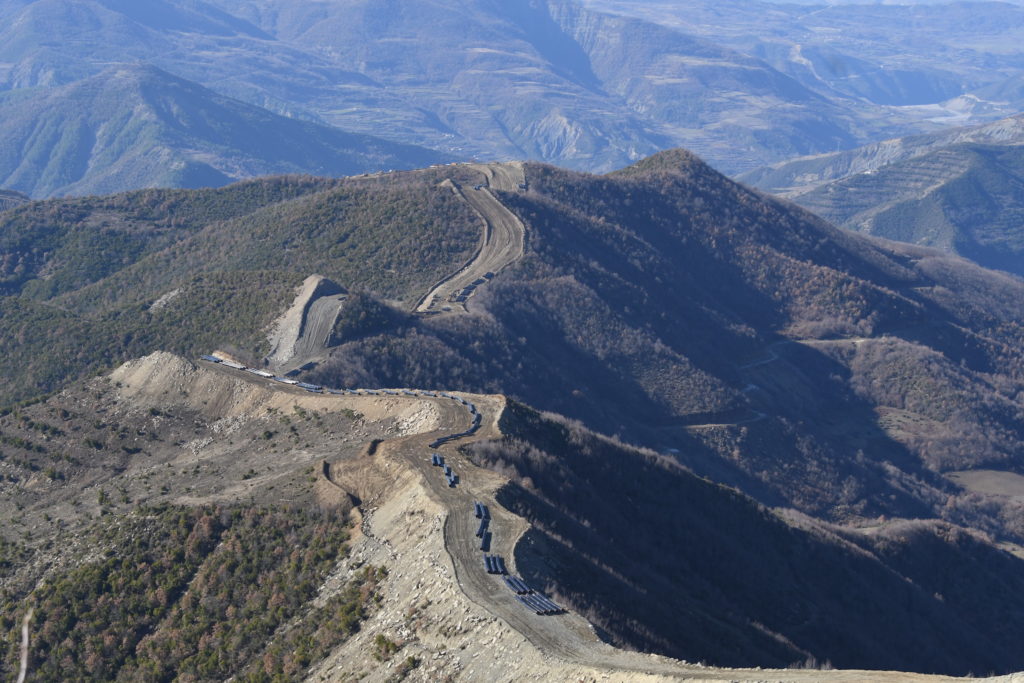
549 81
136 126
942 61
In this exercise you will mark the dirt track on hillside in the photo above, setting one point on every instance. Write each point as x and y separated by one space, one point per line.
567 637
503 240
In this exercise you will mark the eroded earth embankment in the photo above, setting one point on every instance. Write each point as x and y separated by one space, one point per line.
164 430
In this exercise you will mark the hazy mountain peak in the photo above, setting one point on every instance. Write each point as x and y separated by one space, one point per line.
135 125
679 161
187 17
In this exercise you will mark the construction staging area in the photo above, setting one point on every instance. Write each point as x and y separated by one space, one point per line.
480 619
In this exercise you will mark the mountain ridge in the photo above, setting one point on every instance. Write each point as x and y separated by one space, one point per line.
513 80
137 126
533 471
794 177
860 388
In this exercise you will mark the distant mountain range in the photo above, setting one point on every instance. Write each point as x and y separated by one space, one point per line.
549 80
961 190
950 62
137 126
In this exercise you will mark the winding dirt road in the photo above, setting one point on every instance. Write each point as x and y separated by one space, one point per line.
503 240
568 636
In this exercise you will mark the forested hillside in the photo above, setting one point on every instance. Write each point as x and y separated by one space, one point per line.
94 281
172 534
662 303
662 559
871 386
808 366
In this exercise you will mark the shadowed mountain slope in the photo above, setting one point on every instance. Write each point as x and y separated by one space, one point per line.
663 560
810 367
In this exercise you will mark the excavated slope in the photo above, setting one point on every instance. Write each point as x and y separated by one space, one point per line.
799 176
10 199
440 604
303 331
502 242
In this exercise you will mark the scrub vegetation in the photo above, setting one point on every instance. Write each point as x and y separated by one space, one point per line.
201 593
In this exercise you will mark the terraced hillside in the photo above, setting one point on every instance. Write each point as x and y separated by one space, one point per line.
798 176
959 191
964 199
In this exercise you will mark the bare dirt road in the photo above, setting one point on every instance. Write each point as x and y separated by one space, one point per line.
502 242
566 638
